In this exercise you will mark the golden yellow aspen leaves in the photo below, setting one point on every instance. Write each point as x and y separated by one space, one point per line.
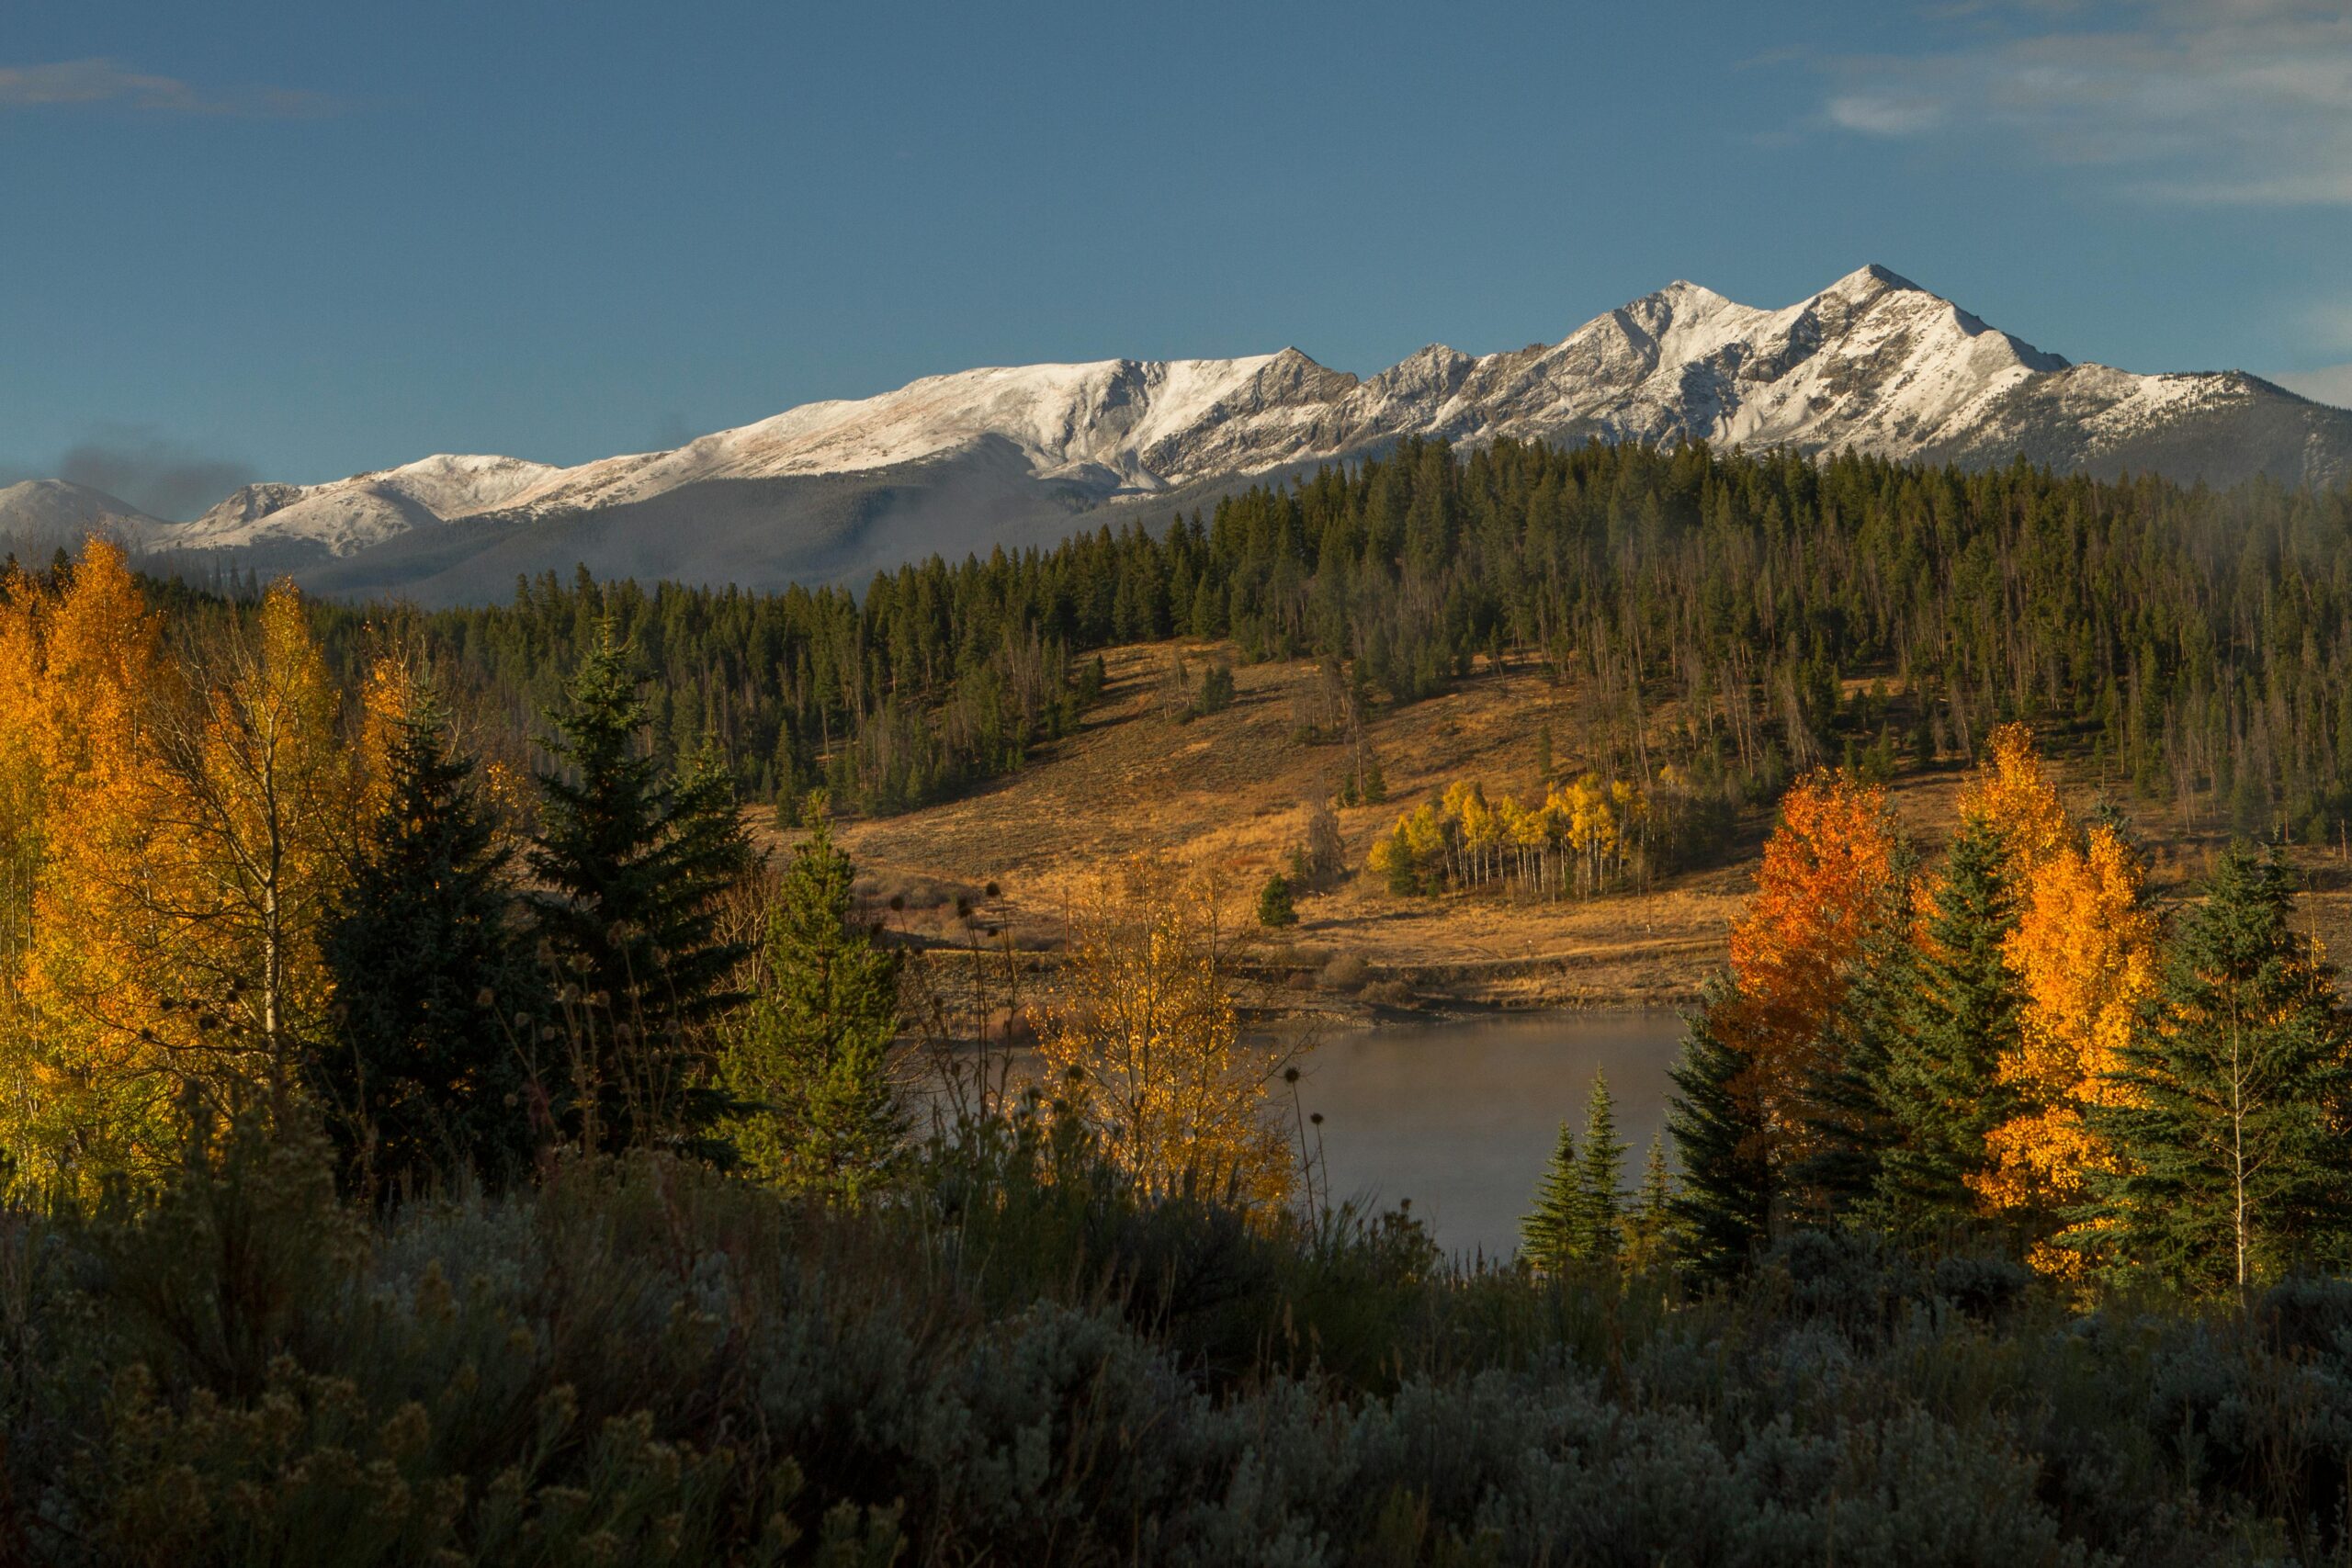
170 818
1143 1038
2085 955
1583 837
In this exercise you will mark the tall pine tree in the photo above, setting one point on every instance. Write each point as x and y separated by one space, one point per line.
630 862
1550 1235
1937 1082
1649 1226
2234 1099
809 1058
1724 1207
1602 1177
1849 1127
430 1072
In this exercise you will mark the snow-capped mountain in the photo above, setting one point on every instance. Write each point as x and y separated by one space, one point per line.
347 515
46 512
833 491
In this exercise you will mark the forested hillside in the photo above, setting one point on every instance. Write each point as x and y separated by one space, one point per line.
1744 616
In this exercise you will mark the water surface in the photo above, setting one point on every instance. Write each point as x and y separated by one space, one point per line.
1460 1117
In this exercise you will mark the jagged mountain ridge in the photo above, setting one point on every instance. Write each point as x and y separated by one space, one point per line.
832 490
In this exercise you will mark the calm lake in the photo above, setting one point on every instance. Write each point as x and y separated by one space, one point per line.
1461 1117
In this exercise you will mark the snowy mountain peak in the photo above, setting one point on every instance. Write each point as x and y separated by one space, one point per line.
350 515
826 491
60 511
1871 279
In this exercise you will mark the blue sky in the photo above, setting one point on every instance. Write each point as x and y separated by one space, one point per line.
296 241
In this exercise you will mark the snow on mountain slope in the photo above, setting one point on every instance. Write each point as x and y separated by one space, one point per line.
45 511
1873 363
347 515
1117 424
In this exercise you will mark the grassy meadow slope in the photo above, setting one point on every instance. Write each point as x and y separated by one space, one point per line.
1232 789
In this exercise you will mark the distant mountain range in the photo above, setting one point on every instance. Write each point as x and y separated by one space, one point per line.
831 492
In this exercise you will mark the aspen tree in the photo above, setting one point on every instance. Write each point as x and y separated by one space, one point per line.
1143 1037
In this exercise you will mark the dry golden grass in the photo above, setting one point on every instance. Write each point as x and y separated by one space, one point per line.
1231 791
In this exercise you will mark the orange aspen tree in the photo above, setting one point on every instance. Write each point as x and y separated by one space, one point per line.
1826 871
1144 1037
22 772
2012 791
174 954
23 819
259 787
83 1088
387 700
2086 956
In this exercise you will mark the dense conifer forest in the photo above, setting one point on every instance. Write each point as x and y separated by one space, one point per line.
1775 613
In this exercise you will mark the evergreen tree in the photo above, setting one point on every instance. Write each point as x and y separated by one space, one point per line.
1937 1082
1849 1126
438 998
2234 1100
1206 610
1649 1227
1553 1232
1274 908
1687 548
1723 1208
630 859
810 1056
1216 689
1602 1177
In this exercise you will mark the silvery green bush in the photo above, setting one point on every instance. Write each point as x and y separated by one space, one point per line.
643 1361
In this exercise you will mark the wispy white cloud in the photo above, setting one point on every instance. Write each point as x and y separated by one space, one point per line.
1886 114
66 82
2208 101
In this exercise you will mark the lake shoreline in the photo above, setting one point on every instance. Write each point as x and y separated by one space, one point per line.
1460 1115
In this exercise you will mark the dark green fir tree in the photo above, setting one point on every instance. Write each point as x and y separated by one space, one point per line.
1722 1209
1938 1080
431 1073
1850 1126
630 861
1649 1223
2236 1096
1552 1231
1602 1177
1275 909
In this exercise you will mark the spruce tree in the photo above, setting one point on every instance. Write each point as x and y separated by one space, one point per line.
439 1002
1649 1227
2233 1100
1724 1207
630 861
1602 1177
1850 1128
1938 1081
1552 1232
1275 909
809 1058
